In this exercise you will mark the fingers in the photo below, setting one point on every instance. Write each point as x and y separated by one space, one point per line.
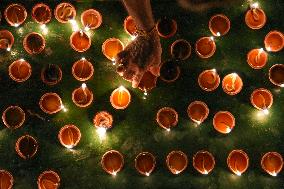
155 70
122 58
137 78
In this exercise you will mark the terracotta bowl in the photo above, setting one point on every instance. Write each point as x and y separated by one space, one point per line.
276 75
145 163
209 80
177 162
69 136
169 71
166 27
255 18
80 41
15 14
6 40
13 117
64 12
48 180
82 70
51 74
232 84
120 98
224 122
167 118
261 99
198 111
50 103
20 70
257 58
26 146
34 43
219 25
82 97
7 180
103 119
41 13
181 49
238 162
111 47
112 162
272 163
203 162
274 41
205 47
91 18
129 26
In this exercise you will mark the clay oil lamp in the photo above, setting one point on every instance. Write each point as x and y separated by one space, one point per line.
65 12
205 47
276 75
102 121
148 82
15 14
34 43
50 103
167 118
203 162
219 25
120 98
255 17
112 162
130 26
272 163
41 13
224 122
111 47
82 96
51 74
169 71
91 19
262 99
80 41
82 70
238 162
166 27
198 111
257 58
6 40
69 136
20 70
181 49
48 180
145 163
26 146
176 162
6 179
232 84
274 41
13 117
209 80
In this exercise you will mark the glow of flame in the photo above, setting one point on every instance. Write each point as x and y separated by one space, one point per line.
228 130
268 49
218 34
22 60
133 37
265 111
238 173
84 86
16 25
254 5
86 28
147 174
212 38
83 58
74 25
62 107
205 172
101 132
168 129
114 173
274 174
214 70
8 49
44 29
282 85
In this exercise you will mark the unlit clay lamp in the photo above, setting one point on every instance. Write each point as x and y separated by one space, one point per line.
51 74
69 136
26 146
181 49
13 117
20 70
166 27
276 75
145 163
112 162
238 162
203 162
272 163
169 71
41 13
48 180
34 43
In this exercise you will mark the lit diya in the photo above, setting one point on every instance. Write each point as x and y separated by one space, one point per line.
82 70
112 162
82 96
34 43
6 179
169 71
181 49
103 119
166 27
177 161
130 26
203 162
197 111
209 80
276 75
120 98
272 163
51 74
274 41
26 146
261 99
80 41
20 70
148 82
205 47
257 58
48 180
167 118
224 122
6 40
65 12
232 84
13 117
41 13
69 136
255 18
111 47
50 103
145 163
91 19
15 14
238 162
219 25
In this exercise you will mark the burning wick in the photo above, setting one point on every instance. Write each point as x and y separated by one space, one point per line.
44 29
62 107
212 38
254 5
218 34
16 25
113 61
133 37
145 94
8 49
74 25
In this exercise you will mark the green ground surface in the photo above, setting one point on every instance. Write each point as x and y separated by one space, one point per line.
135 129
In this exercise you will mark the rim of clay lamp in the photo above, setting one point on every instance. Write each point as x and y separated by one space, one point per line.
89 101
48 10
2 171
120 107
21 112
49 94
17 146
173 27
48 172
215 86
74 47
227 113
212 51
25 43
249 62
6 12
174 124
267 45
203 152
97 13
232 92
189 48
275 154
103 159
63 129
241 152
18 79
200 103
126 20
223 17
152 168
104 47
168 161
263 90
48 82
88 63
170 80
73 9
10 35
271 79
252 26
105 116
